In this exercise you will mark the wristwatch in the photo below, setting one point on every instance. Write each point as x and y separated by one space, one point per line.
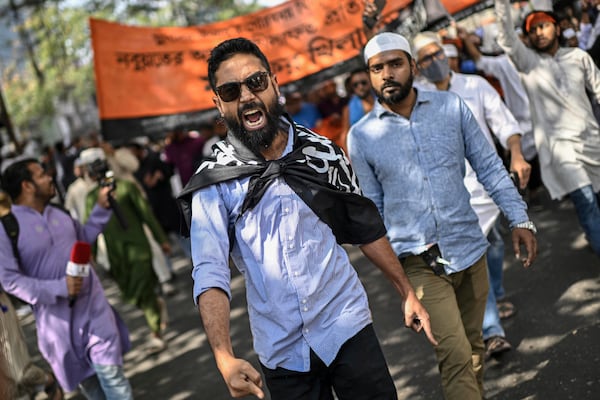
526 225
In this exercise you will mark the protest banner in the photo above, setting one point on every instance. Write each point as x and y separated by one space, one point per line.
151 79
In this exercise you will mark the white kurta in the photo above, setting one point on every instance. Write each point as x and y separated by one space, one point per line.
567 136
515 97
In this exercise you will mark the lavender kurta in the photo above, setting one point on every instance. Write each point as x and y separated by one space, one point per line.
68 338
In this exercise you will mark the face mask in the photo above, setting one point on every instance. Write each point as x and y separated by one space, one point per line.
437 70
569 33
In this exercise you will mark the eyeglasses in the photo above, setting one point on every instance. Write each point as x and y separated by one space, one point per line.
359 83
425 61
256 83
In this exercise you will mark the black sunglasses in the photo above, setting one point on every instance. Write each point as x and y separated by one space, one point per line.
256 83
438 55
359 83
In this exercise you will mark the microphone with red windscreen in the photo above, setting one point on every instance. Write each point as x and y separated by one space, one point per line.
79 263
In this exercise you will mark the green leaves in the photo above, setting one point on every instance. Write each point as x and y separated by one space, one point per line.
54 62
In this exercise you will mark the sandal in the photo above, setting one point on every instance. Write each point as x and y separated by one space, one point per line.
506 309
155 346
495 346
53 390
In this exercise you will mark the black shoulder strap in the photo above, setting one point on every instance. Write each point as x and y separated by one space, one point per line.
11 225
60 207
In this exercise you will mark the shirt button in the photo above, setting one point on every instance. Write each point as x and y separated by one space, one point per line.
291 246
286 210
290 237
306 331
305 309
296 273
304 301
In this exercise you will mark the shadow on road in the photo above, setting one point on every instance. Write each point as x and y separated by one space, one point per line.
556 351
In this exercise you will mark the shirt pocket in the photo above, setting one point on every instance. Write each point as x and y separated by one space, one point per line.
445 149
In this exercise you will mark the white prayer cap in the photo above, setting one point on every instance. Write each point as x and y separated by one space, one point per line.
424 39
141 140
542 5
90 155
450 50
384 42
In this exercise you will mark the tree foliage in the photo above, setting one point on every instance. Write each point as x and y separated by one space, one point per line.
53 61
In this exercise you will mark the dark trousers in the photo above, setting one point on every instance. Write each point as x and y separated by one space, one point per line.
359 372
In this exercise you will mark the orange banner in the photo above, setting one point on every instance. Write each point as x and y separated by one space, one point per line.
143 72
454 6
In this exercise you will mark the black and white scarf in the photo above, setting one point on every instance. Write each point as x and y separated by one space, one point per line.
317 171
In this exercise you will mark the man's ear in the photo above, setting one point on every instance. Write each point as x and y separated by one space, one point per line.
26 186
217 102
413 66
275 85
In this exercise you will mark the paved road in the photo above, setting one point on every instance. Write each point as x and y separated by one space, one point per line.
555 332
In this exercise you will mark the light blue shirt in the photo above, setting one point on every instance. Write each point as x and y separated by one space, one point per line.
301 289
308 116
413 170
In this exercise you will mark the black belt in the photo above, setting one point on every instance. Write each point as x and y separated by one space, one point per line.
431 257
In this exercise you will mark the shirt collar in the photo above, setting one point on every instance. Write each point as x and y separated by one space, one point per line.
423 96
291 135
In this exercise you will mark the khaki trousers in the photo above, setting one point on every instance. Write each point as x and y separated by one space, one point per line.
456 304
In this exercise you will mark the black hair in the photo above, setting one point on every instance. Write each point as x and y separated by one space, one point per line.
359 70
16 174
550 13
135 145
227 49
59 146
180 128
561 16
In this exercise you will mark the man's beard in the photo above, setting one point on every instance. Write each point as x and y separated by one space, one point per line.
398 96
44 195
546 48
260 139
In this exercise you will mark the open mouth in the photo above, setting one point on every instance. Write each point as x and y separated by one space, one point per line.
254 119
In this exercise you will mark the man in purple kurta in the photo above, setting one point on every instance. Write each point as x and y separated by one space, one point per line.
84 344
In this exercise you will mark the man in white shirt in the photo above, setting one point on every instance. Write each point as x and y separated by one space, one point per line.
567 135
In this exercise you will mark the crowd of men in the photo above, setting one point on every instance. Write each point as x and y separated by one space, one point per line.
282 179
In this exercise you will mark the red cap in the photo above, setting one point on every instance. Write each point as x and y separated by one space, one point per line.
536 18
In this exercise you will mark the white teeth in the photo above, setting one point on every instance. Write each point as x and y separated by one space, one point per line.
258 122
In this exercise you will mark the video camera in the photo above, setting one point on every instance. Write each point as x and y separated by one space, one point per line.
99 171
